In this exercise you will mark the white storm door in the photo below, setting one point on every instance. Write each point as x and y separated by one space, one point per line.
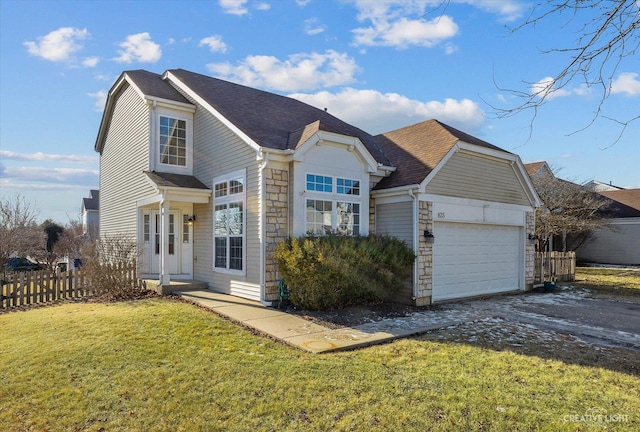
173 259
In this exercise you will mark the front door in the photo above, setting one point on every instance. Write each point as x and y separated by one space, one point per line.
173 260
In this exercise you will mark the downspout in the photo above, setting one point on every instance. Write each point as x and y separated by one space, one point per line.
263 227
416 247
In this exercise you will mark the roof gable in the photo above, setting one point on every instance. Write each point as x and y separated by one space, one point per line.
148 85
93 202
419 148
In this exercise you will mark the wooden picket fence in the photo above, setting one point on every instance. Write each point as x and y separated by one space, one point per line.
555 267
45 286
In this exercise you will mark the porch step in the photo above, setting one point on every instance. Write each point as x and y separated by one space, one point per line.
175 285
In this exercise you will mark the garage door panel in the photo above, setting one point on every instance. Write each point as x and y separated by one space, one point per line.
475 259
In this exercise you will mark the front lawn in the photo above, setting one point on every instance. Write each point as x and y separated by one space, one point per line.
159 364
610 280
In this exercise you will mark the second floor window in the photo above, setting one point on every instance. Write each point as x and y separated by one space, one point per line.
173 141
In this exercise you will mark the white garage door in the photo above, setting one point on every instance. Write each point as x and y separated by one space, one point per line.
474 259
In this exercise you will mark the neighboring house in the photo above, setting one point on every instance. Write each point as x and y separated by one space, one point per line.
210 176
538 169
621 243
91 214
598 186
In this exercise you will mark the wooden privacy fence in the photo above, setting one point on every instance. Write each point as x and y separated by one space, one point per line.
45 286
555 266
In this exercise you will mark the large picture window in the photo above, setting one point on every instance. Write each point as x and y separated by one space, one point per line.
229 223
327 209
173 141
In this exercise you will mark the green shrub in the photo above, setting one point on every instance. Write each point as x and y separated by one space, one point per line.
337 271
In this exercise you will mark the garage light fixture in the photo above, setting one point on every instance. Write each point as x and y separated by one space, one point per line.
191 220
428 235
532 237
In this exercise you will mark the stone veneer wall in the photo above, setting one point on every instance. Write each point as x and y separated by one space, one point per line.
530 252
277 210
425 255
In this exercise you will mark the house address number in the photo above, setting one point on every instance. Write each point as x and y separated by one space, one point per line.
441 215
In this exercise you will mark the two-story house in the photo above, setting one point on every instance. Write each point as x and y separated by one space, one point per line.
209 176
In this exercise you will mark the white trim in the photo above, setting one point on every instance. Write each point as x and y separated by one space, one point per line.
438 167
186 169
226 200
169 104
416 242
179 194
186 89
263 227
352 144
473 202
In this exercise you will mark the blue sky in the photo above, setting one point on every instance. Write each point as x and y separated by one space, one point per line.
379 65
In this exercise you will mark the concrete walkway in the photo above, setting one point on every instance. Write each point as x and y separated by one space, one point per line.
303 334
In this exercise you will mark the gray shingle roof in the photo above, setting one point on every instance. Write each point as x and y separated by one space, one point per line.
267 118
152 84
162 179
93 202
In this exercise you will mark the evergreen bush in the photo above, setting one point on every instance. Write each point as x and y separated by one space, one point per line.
336 271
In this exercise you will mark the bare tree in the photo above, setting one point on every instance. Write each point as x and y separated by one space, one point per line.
20 235
607 33
72 242
569 209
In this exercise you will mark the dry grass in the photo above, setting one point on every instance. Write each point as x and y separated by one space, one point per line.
607 282
157 364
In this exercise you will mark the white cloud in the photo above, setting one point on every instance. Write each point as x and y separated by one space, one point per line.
263 6
58 45
233 7
90 61
139 47
404 23
628 83
100 99
299 72
377 112
103 77
48 157
303 3
546 89
450 48
404 32
507 10
78 176
313 27
214 43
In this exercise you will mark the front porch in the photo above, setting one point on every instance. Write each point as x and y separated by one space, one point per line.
174 285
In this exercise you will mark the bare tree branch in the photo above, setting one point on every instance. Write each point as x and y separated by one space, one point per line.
608 34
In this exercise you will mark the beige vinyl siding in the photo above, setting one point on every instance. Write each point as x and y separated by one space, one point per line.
218 151
476 177
124 157
618 245
396 220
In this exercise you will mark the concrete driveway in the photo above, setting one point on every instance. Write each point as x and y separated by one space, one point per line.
568 311
532 317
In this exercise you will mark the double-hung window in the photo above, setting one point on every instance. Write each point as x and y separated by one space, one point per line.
229 203
333 205
173 141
